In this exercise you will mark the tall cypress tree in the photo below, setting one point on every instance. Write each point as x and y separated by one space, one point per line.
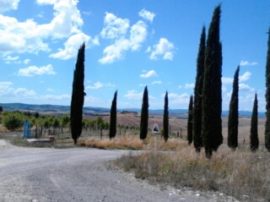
254 140
212 95
267 97
197 116
190 121
113 117
77 100
144 115
233 114
166 118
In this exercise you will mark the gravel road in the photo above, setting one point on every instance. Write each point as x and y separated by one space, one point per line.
78 174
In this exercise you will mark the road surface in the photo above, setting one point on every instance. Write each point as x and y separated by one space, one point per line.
78 174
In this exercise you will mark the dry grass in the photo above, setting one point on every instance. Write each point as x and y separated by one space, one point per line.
121 142
241 174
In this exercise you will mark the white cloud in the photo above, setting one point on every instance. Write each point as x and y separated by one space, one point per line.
147 15
245 77
72 45
133 95
26 61
24 92
149 74
52 98
178 100
7 89
245 87
156 83
6 5
31 37
164 49
9 59
138 33
226 80
189 86
114 27
114 52
95 86
247 63
35 70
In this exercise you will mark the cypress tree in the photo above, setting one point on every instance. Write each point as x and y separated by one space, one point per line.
113 117
197 116
166 118
190 120
212 95
144 115
267 97
77 100
233 114
254 140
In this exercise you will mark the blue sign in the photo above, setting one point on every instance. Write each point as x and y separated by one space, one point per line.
26 129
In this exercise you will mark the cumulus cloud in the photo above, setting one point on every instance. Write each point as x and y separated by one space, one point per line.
247 63
245 77
31 37
124 37
163 49
35 70
114 27
149 74
6 5
147 15
72 45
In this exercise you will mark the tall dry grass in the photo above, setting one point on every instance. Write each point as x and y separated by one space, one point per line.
242 174
120 142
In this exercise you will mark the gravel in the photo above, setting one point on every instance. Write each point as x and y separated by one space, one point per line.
78 174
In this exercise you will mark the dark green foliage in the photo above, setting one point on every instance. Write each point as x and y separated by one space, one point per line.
197 116
165 132
13 121
267 97
233 114
212 95
77 100
254 140
113 117
190 121
144 115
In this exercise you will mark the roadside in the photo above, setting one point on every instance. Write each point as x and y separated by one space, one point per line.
78 174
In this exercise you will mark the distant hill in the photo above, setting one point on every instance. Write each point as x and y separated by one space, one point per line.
60 109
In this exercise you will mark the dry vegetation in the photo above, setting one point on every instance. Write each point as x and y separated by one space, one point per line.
242 174
122 142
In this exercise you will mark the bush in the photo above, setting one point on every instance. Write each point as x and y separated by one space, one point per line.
12 122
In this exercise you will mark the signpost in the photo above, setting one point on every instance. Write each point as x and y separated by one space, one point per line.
26 129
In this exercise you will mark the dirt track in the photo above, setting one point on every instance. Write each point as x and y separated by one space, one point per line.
77 174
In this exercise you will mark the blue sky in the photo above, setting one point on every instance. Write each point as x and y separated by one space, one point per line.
130 44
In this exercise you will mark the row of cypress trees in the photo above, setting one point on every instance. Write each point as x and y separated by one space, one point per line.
206 127
204 122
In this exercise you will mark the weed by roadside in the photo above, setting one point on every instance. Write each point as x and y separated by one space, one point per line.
241 174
